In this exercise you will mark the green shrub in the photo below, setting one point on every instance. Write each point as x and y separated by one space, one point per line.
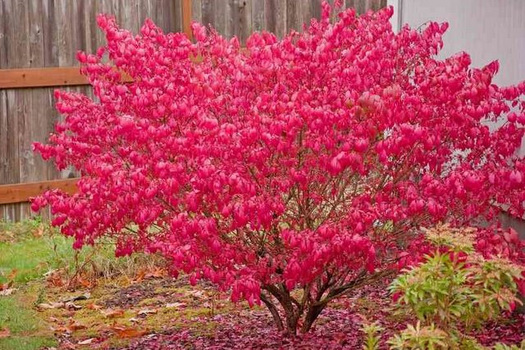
453 291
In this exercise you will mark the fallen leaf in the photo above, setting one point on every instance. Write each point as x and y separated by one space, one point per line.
84 282
4 286
140 276
7 291
72 306
67 345
39 232
74 326
4 333
110 313
156 273
47 306
146 312
84 296
54 278
127 332
197 294
93 306
12 274
87 341
176 304
69 313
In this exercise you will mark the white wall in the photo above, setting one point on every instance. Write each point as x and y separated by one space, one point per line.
486 29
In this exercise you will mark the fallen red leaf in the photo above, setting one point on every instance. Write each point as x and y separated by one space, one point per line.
4 286
74 326
127 332
4 333
93 306
12 274
110 313
156 273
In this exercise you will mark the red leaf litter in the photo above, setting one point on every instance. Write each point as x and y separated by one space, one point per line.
337 328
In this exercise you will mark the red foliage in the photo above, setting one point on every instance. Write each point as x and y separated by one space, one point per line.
309 161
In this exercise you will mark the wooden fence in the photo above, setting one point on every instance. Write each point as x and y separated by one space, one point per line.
38 43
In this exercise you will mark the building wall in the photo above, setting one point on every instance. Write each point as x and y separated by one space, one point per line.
486 29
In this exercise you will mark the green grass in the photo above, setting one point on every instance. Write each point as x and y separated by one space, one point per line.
31 257
32 249
27 331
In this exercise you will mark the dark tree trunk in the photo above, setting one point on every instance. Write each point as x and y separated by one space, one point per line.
311 315
273 310
292 319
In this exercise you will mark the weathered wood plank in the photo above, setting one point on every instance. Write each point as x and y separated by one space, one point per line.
19 193
44 77
244 20
32 166
315 8
3 35
258 9
40 77
228 21
292 20
207 8
12 150
219 16
50 34
65 50
177 16
276 17
196 10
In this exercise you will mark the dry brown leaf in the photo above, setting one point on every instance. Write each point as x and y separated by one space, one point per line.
176 304
110 313
4 333
74 326
93 306
11 276
72 306
197 294
54 279
146 312
47 306
157 272
127 332
140 276
67 345
84 296
39 232
68 313
84 282
7 291
4 286
87 341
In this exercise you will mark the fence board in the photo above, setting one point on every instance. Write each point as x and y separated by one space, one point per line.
18 193
40 77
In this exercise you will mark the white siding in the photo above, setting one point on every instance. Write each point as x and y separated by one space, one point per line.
486 29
